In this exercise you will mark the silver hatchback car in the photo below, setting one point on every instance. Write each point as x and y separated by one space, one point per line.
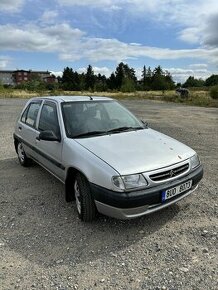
109 161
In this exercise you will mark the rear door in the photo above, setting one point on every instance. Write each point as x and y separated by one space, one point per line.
50 152
26 127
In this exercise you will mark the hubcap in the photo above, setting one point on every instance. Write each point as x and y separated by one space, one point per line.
77 196
20 152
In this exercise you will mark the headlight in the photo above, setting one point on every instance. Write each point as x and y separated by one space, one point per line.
129 181
195 161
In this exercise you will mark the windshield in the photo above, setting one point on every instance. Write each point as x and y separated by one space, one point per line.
92 118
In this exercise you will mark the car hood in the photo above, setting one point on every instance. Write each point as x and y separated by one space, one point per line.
137 151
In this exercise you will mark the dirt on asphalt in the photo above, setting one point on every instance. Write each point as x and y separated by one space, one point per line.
43 244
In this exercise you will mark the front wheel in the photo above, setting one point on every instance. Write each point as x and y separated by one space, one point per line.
84 202
23 159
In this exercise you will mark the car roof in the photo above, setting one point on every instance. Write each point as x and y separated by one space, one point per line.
61 99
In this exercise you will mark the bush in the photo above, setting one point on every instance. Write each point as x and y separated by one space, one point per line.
128 86
214 92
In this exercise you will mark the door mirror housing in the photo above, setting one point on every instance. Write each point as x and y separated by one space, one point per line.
144 123
49 135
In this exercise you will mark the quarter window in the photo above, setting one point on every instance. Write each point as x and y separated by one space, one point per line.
30 114
23 118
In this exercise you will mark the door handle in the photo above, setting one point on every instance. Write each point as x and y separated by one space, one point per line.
19 128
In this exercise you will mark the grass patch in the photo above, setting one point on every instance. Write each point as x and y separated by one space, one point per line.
198 97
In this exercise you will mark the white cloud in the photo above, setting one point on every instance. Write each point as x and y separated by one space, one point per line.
94 3
11 5
179 11
49 16
209 32
34 38
102 70
192 18
181 74
73 44
190 35
198 66
114 50
97 70
57 73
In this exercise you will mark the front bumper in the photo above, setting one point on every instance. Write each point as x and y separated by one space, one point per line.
127 205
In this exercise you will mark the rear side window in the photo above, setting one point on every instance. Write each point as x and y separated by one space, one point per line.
23 118
30 114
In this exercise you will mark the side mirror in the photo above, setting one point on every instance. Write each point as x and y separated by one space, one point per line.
144 123
48 135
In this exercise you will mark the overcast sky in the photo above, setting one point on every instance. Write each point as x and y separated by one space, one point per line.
179 35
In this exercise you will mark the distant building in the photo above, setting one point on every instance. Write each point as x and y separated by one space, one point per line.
50 79
13 78
21 76
6 77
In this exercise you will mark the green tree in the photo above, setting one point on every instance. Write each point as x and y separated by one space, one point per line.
111 82
125 78
76 81
161 80
101 83
214 92
193 82
67 79
212 80
128 85
158 80
89 79
144 80
1 86
119 75
169 81
148 79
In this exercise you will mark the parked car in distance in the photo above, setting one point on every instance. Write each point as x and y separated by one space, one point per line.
183 92
109 161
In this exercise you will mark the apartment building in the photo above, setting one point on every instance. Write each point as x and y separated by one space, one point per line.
6 77
13 78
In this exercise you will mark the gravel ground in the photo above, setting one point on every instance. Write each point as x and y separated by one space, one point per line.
43 245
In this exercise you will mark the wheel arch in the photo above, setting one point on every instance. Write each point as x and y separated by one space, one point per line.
70 177
15 143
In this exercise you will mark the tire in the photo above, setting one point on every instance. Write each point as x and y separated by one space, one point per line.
84 202
23 159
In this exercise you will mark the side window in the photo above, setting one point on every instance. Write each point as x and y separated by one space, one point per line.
30 114
23 117
49 119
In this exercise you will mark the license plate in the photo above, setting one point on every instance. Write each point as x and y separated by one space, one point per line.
171 192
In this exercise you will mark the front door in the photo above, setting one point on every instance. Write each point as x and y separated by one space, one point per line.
50 152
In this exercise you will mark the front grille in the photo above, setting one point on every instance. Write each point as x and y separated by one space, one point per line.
169 173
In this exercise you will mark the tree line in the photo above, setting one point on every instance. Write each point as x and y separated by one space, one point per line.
123 79
194 82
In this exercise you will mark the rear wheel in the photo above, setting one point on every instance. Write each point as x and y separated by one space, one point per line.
23 159
84 202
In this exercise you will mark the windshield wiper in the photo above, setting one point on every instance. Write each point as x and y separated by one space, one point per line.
124 129
99 133
91 133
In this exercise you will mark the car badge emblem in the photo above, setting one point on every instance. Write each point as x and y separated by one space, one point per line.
172 173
